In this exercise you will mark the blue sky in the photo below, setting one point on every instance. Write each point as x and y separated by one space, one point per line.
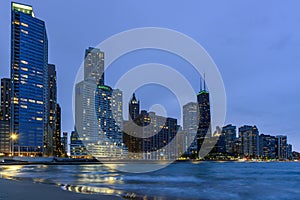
255 45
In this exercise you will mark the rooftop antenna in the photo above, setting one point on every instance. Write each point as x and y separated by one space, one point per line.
200 83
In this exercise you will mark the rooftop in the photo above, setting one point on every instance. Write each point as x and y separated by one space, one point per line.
26 9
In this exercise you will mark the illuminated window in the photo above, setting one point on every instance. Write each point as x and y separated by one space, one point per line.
40 86
16 22
23 31
23 106
24 69
15 100
39 119
24 24
24 75
24 62
31 101
39 102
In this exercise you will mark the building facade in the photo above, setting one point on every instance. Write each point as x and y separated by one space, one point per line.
49 137
86 122
249 137
190 126
281 147
229 133
94 65
5 140
110 140
117 110
29 60
267 146
134 108
204 126
57 146
65 143
5 105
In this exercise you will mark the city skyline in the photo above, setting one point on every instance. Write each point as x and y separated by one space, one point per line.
246 116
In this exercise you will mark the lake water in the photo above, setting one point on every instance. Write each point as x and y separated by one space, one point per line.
186 180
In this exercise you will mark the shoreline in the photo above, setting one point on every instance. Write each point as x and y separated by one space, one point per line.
135 162
25 189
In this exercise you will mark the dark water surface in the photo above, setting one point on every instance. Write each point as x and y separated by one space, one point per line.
186 180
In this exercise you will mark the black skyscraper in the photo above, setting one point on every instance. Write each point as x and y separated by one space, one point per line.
134 108
204 128
5 98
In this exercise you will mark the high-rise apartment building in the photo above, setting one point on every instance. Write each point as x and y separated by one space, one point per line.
5 140
281 144
29 60
65 143
107 123
94 65
117 110
57 146
51 97
110 141
86 124
5 137
249 137
5 104
267 146
229 134
190 126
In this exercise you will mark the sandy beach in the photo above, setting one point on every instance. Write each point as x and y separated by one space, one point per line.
17 190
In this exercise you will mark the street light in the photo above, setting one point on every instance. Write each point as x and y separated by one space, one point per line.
13 138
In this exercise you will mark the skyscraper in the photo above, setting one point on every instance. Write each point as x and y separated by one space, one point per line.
94 65
267 146
5 99
105 117
204 127
282 146
29 60
117 111
49 137
57 146
134 108
85 111
249 137
65 143
5 140
190 126
86 125
229 133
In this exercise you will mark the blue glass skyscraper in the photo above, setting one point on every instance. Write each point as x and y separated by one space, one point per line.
29 60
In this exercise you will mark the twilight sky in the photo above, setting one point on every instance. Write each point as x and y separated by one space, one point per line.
255 45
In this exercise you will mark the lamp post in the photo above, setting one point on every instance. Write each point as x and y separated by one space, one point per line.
13 137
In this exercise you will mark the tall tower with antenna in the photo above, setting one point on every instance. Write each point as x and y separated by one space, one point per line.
204 127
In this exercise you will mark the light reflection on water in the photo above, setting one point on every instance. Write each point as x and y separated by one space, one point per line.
202 180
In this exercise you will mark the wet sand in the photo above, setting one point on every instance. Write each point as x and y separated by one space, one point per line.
22 190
